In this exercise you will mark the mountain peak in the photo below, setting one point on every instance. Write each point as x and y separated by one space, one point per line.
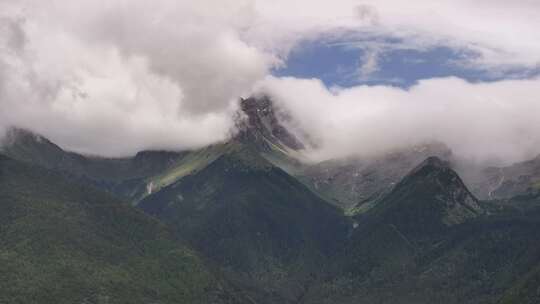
25 145
430 198
435 161
16 136
436 175
262 127
432 163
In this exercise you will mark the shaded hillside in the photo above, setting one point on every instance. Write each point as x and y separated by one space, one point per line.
526 290
65 243
429 200
431 241
267 230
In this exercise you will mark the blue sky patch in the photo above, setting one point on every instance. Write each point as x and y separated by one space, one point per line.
339 64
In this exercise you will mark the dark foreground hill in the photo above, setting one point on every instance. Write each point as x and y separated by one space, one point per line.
268 231
65 243
431 241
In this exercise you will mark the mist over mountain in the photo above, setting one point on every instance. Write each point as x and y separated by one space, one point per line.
269 152
482 122
104 83
263 227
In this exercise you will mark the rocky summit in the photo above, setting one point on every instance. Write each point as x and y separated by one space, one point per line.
261 126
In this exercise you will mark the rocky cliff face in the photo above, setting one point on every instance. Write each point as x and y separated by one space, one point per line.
261 126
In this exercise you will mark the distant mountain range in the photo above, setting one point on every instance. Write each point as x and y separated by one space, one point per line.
246 221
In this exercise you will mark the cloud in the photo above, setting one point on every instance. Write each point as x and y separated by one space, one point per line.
500 34
369 64
495 121
115 77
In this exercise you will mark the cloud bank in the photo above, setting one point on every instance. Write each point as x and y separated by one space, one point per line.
116 77
495 121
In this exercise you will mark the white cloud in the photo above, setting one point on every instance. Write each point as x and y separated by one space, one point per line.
503 33
369 64
495 121
115 77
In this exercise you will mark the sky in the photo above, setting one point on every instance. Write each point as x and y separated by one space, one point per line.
359 77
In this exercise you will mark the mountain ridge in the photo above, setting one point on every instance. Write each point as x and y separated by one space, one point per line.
275 231
254 219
